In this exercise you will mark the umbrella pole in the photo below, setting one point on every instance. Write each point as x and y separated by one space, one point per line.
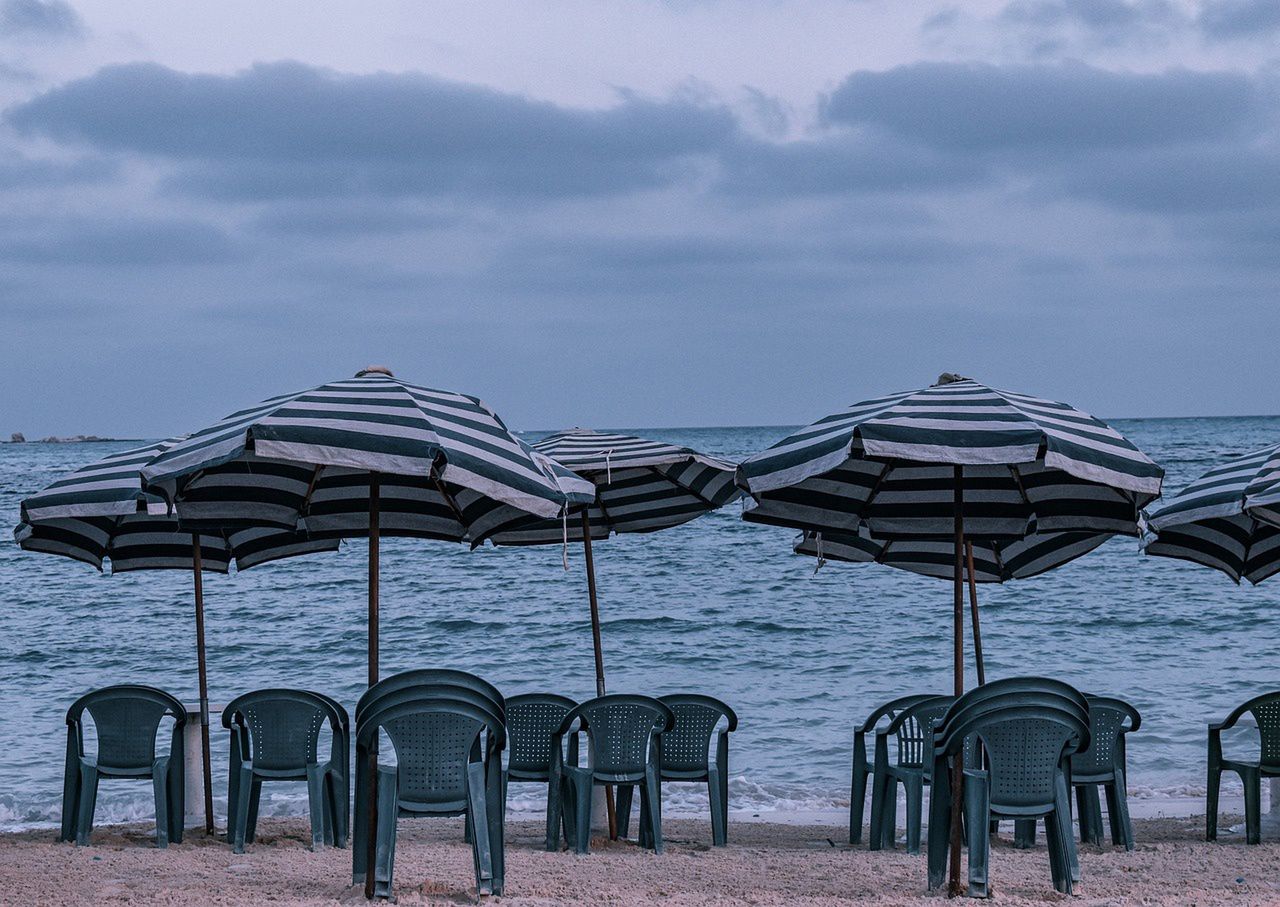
371 853
957 770
973 611
599 652
197 568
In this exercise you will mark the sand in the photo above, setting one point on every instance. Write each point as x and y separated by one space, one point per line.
764 864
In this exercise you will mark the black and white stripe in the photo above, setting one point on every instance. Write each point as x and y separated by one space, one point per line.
445 465
101 513
640 486
993 561
886 467
1228 519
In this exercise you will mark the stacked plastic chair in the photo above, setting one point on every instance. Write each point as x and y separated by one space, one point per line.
1015 739
1103 765
1265 711
126 718
621 734
912 767
448 729
532 719
275 736
862 767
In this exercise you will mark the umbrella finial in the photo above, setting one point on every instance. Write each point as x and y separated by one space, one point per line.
374 370
949 378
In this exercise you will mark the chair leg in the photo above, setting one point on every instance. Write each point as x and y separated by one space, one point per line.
915 805
1252 779
577 807
1062 817
316 807
1118 807
175 778
360 819
70 798
622 807
160 785
385 856
879 797
556 795
651 811
857 800
1024 833
939 843
719 815
977 806
1211 803
88 802
255 798
477 814
238 829
1059 866
495 814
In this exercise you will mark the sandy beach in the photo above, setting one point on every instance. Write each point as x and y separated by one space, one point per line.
764 864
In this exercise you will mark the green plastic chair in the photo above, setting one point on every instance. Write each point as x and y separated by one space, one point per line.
1103 765
1026 729
424 679
621 734
532 719
1265 710
862 767
437 773
127 718
275 736
912 728
684 754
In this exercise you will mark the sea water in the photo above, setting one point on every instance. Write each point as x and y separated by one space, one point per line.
716 606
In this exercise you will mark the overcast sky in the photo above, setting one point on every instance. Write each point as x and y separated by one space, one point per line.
639 213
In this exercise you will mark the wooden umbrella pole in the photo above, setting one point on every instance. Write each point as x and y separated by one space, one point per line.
973 611
371 852
957 770
197 571
599 652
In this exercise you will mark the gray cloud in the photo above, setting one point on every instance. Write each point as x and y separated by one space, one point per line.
1234 19
960 107
39 18
1181 180
288 129
116 242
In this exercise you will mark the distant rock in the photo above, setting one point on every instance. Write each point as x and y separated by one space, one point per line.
73 439
17 438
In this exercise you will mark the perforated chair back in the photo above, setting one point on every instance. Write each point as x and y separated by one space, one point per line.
1109 720
1025 755
620 729
1266 712
532 718
686 747
914 729
284 727
126 718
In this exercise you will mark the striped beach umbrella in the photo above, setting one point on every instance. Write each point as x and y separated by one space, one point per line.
101 514
958 461
367 456
1228 519
640 485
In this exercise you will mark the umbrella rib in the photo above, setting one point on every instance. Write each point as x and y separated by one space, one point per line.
305 508
448 499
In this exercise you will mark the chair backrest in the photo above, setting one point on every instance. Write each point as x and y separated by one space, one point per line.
284 726
914 727
428 676
620 729
891 709
532 719
126 717
1024 748
1109 720
686 746
434 740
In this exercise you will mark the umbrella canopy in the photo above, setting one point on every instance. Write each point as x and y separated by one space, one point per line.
1228 519
100 512
1028 464
640 486
958 460
994 561
444 463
